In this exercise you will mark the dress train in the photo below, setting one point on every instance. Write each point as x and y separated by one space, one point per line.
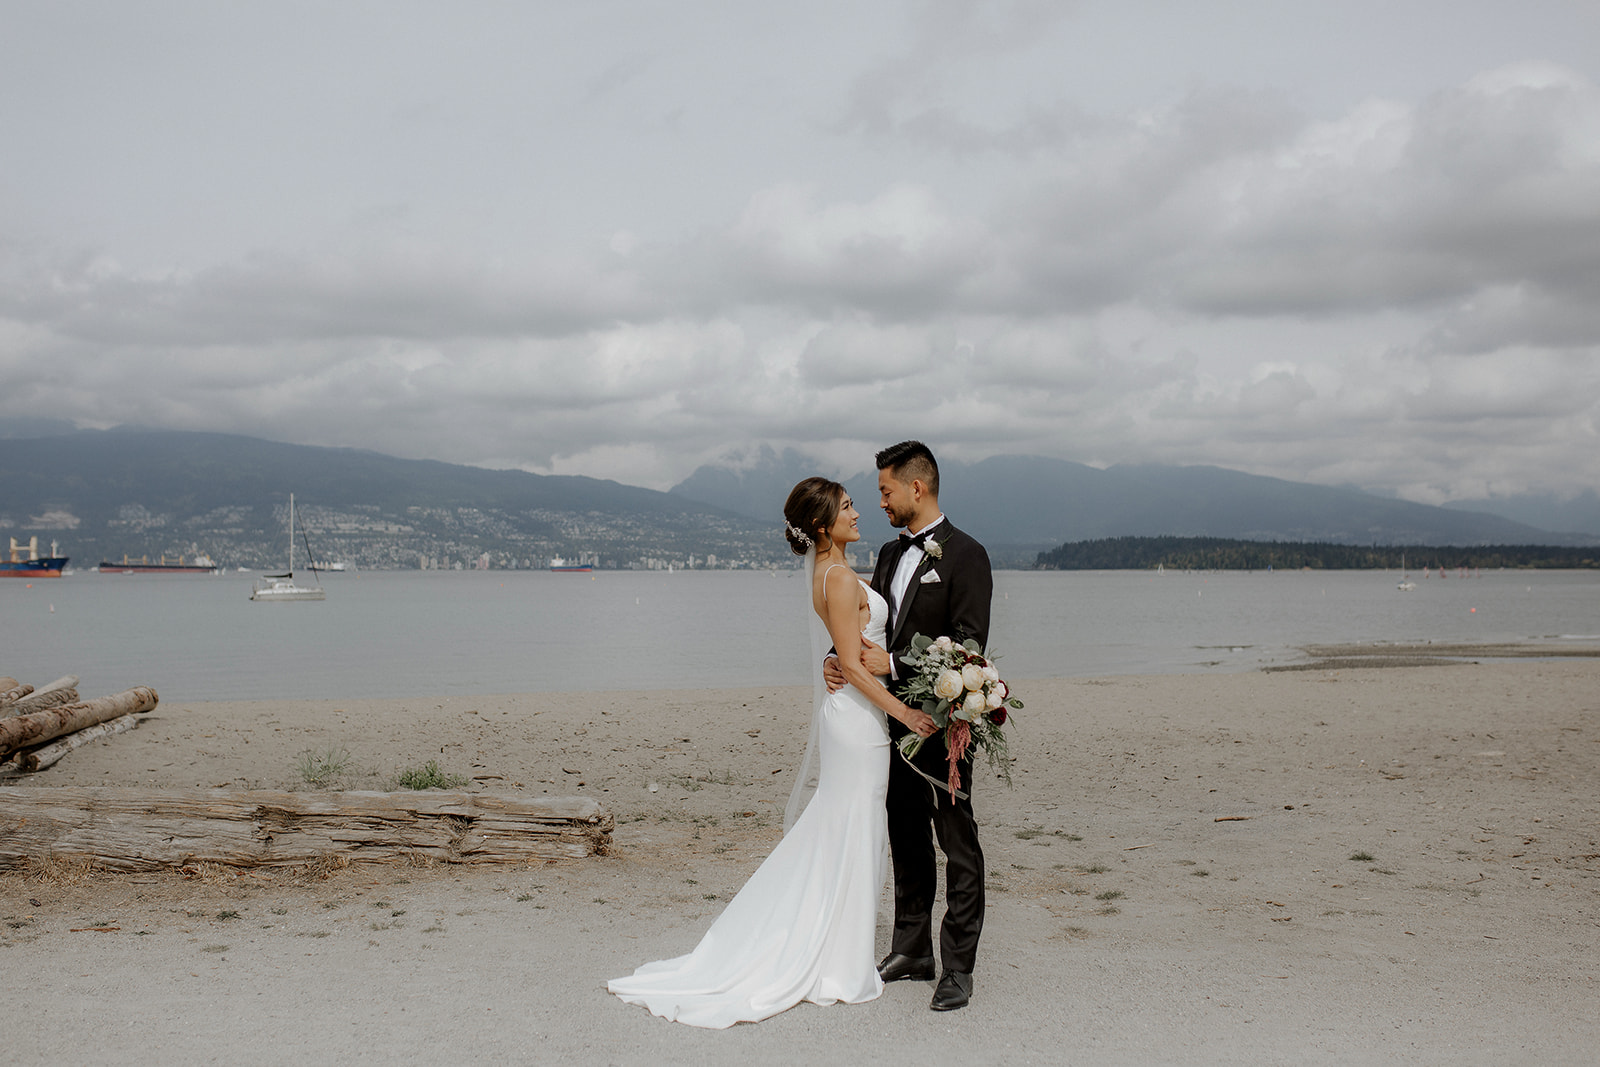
804 925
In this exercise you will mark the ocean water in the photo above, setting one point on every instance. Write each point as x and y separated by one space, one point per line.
417 633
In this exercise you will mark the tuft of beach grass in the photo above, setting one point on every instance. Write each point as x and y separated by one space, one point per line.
429 776
319 768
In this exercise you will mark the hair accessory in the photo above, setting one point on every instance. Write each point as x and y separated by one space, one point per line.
797 533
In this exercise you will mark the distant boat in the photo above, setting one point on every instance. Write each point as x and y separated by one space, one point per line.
1406 584
282 586
202 564
35 566
559 564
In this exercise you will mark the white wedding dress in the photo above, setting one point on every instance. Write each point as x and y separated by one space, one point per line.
803 926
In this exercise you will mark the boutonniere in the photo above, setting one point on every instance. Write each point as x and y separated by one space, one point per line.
933 548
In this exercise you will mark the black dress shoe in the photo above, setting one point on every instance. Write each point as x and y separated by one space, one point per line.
953 991
896 967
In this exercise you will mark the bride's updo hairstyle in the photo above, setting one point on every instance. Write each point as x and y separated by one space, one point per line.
812 507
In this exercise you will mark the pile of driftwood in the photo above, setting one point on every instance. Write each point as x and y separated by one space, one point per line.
141 829
39 726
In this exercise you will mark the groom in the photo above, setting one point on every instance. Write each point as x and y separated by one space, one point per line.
937 582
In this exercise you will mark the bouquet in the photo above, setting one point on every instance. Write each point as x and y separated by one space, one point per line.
961 690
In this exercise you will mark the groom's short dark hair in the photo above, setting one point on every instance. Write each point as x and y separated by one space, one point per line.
910 461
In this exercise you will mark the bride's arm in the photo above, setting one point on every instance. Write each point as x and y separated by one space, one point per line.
842 599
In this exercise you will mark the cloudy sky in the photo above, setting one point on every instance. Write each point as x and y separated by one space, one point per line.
1344 242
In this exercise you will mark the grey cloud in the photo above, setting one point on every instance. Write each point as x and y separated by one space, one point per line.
1454 198
902 93
903 253
282 296
1037 132
1402 295
1508 316
859 352
616 76
1227 204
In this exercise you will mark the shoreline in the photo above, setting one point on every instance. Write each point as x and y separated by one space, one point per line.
1176 869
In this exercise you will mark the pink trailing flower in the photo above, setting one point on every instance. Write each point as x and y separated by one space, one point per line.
958 738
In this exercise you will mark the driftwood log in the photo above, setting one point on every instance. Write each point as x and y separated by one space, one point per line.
63 690
140 829
12 691
35 728
37 759
41 701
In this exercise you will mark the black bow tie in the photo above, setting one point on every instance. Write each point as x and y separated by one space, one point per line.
915 540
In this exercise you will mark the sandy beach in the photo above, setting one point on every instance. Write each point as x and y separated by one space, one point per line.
1348 865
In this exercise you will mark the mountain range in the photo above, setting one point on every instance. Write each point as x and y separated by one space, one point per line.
106 494
1020 505
1544 510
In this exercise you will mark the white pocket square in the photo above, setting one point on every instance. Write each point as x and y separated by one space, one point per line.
929 578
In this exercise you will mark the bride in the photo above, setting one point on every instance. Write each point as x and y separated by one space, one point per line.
802 927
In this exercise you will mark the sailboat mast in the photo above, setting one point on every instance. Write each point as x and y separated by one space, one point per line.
291 533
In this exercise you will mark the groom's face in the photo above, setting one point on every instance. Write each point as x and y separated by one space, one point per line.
897 499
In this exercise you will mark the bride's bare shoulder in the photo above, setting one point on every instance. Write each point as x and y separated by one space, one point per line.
831 576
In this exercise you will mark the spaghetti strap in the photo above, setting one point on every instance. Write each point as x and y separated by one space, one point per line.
825 580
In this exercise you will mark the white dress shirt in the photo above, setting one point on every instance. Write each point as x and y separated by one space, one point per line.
900 584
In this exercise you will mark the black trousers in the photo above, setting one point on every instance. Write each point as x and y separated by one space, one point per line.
918 811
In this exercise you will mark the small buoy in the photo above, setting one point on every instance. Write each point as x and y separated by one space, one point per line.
1473 610
52 609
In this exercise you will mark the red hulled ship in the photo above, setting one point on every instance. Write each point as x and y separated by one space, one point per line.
35 566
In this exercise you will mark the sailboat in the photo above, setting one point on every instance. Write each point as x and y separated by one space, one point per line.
282 586
1406 584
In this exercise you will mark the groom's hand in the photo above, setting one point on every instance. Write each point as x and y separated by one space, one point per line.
875 658
833 674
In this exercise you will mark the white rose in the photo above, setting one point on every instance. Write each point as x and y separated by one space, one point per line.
995 698
990 673
948 685
942 643
974 705
972 676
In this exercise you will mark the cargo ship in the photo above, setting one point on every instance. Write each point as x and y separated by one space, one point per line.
201 565
35 566
559 564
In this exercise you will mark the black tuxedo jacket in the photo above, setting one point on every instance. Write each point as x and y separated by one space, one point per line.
956 605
